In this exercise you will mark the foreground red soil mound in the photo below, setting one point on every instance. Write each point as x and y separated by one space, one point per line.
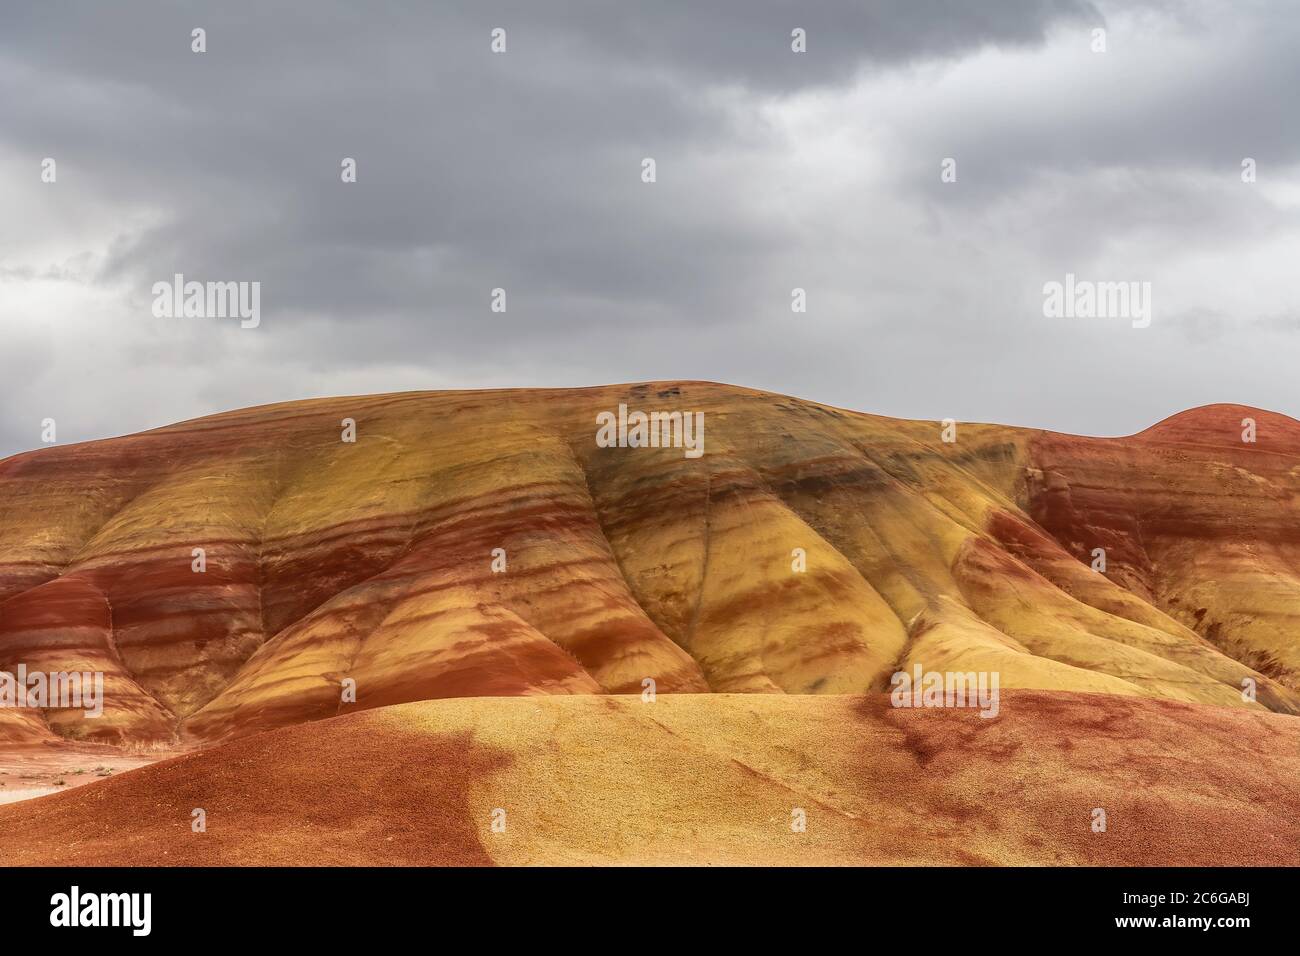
705 779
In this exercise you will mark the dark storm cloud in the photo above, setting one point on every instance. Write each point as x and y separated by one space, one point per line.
522 171
521 165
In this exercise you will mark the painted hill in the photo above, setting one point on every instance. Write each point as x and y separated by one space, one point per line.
705 778
808 550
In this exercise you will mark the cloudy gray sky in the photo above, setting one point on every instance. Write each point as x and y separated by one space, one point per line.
775 170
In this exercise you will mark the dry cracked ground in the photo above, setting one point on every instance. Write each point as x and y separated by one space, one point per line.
498 588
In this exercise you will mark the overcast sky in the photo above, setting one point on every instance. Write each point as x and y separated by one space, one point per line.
775 170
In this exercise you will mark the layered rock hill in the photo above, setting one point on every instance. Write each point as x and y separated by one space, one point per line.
482 543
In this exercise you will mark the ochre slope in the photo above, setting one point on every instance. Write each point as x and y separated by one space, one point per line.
709 779
1196 520
373 561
